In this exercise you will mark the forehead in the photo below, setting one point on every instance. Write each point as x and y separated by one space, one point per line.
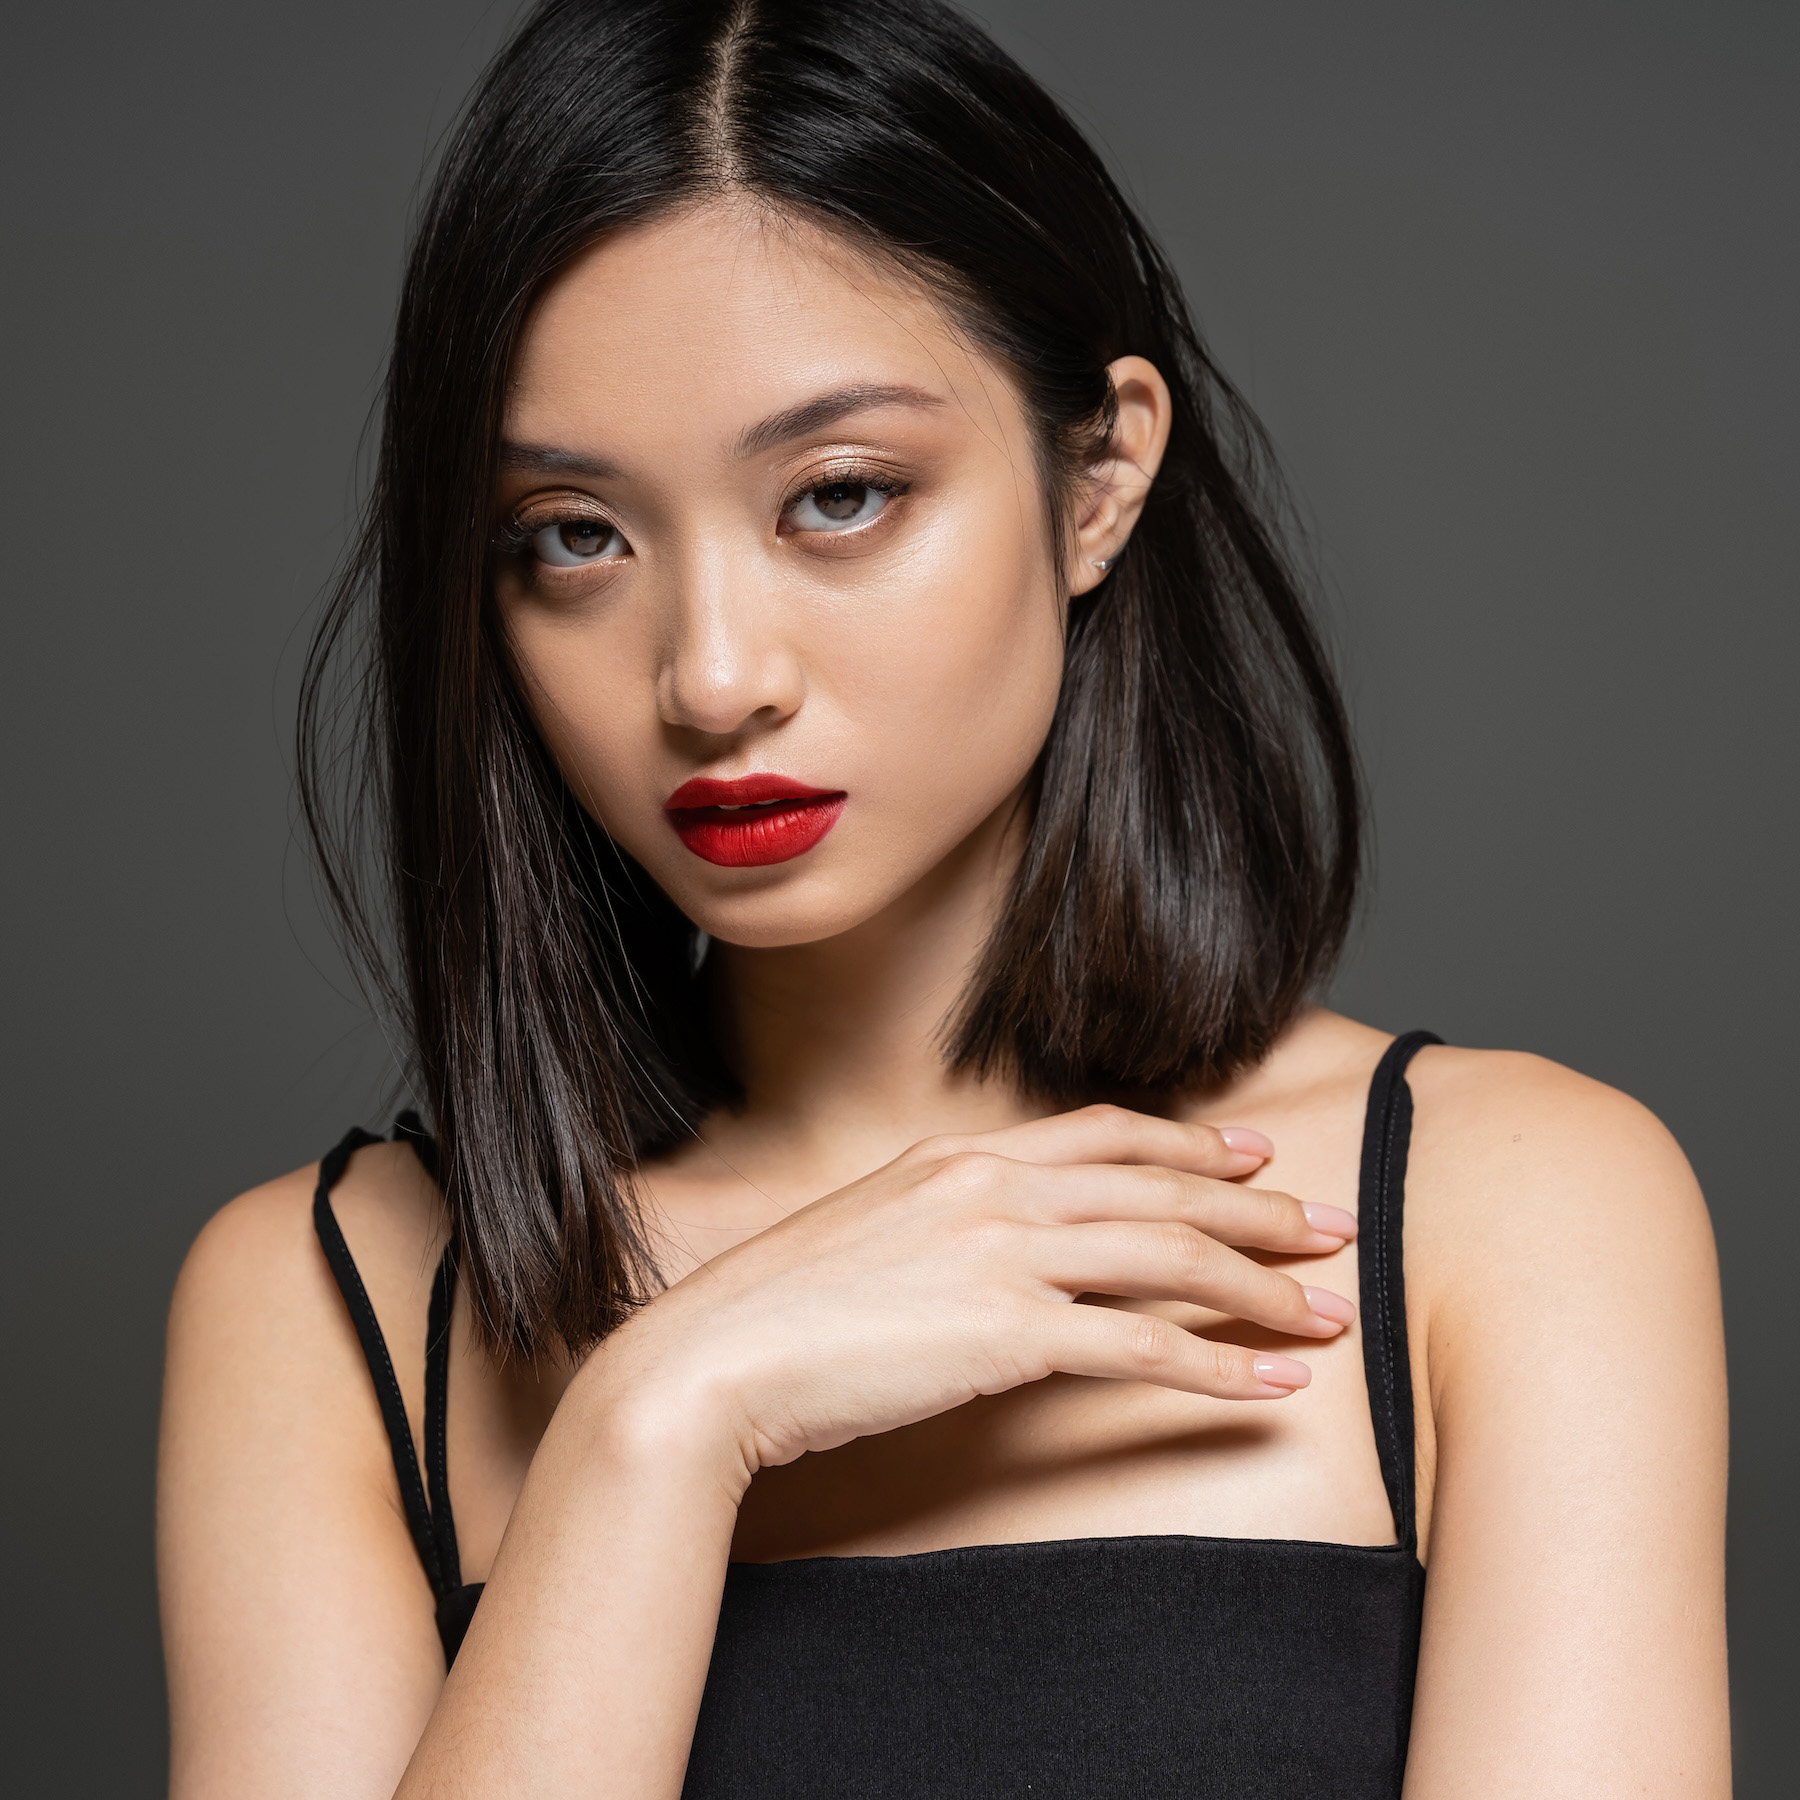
721 315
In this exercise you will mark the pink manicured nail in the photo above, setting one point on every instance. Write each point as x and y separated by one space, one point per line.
1332 1220
1327 1305
1282 1372
1243 1139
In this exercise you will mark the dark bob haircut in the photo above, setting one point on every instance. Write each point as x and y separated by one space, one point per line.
1190 860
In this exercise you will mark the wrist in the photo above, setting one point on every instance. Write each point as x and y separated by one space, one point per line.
640 1409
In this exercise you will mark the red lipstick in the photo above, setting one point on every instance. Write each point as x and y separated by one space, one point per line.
752 821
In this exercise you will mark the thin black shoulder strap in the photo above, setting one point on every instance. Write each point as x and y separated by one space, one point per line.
1381 1201
437 1415
433 1530
375 1354
409 1129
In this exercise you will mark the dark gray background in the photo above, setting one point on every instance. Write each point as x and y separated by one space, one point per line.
1515 286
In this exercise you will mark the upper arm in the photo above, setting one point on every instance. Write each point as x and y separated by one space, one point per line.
301 1652
1564 1276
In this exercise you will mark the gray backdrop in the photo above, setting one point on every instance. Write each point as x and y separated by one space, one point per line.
1514 285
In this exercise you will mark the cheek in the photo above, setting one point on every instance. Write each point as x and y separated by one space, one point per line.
950 689
594 707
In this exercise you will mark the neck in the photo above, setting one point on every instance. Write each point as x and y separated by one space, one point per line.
840 1044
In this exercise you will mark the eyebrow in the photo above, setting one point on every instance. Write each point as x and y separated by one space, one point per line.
826 409
768 434
543 459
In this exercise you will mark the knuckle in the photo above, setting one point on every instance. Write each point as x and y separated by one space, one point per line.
967 1171
933 1149
1290 1300
1155 1343
1179 1191
988 1240
1107 1112
1283 1214
980 1162
1187 1252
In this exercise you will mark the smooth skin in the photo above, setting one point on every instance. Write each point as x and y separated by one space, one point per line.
776 513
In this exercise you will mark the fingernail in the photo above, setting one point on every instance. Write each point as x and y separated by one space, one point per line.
1333 1308
1282 1372
1332 1220
1246 1141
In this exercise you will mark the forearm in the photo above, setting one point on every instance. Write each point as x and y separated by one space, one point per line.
583 1670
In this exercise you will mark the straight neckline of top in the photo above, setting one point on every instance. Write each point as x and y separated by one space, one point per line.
1146 1538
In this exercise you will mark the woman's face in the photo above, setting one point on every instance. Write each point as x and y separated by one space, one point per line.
777 527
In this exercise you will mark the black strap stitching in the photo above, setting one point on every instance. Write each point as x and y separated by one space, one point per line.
1381 1210
375 1354
1393 1317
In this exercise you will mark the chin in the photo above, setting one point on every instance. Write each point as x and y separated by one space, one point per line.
842 884
772 908
774 921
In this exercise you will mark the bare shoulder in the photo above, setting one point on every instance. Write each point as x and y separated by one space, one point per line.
260 1340
1518 1160
1542 1207
256 1271
1511 1156
1562 1285
263 1365
1495 1097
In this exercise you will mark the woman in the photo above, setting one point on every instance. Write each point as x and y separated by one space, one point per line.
905 1295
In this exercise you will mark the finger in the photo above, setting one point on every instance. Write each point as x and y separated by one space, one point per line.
1254 1218
1113 1134
1120 1346
1176 1262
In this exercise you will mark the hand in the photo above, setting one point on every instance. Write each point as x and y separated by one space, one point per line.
957 1270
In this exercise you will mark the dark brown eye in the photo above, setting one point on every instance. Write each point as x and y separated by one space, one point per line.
570 543
838 506
842 501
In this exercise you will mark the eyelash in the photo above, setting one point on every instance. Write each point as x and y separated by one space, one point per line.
515 537
846 475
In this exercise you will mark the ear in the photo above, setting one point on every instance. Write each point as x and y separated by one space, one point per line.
1118 485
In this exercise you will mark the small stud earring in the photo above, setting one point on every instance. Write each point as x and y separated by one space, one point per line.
1105 563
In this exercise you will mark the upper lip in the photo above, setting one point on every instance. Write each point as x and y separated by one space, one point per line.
743 790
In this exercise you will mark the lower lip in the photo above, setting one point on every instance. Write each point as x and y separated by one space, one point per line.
753 837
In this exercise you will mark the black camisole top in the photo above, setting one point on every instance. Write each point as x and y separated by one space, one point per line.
1121 1668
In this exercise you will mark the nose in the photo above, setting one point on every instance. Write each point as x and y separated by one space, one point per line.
727 666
